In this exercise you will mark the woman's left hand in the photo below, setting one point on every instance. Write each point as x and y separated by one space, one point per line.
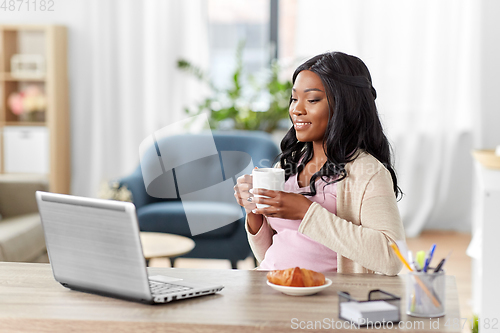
283 205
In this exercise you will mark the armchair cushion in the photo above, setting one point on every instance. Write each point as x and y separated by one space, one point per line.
169 217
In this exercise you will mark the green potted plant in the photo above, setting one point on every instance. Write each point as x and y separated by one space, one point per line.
231 106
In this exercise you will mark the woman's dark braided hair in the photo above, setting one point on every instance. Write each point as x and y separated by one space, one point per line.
354 123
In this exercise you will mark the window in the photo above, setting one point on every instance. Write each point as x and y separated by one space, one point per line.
234 21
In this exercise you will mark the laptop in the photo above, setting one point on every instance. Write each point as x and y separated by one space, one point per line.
94 246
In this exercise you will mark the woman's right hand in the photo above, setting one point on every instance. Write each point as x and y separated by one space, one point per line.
245 199
242 193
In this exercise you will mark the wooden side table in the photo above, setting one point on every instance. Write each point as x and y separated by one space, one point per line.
163 245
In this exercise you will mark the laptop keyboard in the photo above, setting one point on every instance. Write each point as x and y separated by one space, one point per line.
162 288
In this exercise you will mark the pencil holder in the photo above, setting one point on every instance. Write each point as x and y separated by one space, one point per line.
425 294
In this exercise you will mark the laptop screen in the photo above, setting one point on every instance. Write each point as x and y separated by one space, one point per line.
94 244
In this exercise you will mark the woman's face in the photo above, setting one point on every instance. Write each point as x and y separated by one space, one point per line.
309 107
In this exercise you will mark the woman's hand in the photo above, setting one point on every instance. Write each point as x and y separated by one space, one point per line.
283 205
242 194
245 199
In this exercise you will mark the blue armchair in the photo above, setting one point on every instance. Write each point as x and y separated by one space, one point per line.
168 215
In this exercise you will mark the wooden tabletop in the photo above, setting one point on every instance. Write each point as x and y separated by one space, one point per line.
160 245
30 298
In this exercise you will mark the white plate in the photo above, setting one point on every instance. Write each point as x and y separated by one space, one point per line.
300 291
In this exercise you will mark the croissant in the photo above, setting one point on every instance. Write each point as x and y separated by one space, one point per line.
296 277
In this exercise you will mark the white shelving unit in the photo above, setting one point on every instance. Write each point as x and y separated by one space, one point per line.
38 148
485 248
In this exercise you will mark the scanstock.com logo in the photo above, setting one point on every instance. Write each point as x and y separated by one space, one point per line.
182 163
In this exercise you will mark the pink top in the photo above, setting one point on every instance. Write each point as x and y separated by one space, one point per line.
293 249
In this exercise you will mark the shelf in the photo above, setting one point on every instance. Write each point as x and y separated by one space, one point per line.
23 27
24 178
487 158
25 123
9 77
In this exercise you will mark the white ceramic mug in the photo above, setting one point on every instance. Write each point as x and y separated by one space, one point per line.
270 179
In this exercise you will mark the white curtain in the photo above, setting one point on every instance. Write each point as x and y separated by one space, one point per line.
125 83
421 55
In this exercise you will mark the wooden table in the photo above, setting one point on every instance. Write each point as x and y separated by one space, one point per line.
162 245
31 300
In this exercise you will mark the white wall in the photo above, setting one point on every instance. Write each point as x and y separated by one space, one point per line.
489 61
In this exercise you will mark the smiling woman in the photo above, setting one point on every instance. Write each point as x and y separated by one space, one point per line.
338 210
309 109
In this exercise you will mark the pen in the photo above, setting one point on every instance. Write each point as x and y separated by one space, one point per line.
420 257
413 303
441 263
400 256
429 257
410 259
417 267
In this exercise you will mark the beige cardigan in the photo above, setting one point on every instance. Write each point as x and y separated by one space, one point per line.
367 219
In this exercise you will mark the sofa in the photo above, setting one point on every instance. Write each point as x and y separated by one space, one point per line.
21 233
